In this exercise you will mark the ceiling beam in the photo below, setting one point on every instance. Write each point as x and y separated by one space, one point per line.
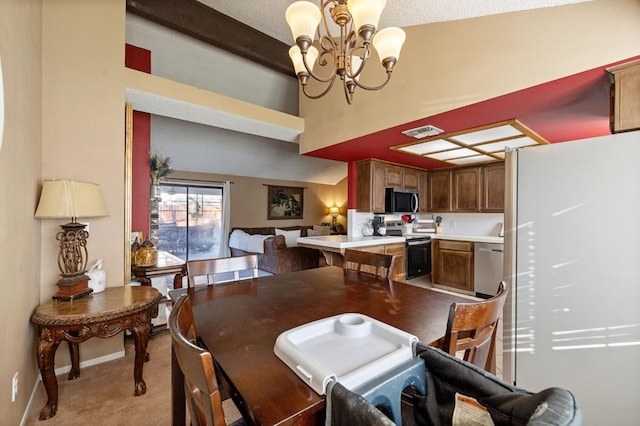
199 21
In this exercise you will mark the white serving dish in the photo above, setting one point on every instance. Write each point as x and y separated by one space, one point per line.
350 348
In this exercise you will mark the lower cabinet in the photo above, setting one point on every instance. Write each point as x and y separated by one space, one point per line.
398 272
453 265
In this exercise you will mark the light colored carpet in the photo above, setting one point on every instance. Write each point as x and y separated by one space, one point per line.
103 394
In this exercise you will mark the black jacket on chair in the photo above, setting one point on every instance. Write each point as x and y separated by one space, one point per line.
508 405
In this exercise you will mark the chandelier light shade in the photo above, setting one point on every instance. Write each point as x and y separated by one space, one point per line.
61 199
344 55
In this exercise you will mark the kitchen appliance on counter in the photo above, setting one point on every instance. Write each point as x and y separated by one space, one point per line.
417 250
400 200
379 228
425 225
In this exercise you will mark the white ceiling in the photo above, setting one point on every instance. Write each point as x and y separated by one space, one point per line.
267 16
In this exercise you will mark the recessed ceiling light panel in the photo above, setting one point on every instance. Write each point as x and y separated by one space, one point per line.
429 147
494 133
476 145
511 143
454 153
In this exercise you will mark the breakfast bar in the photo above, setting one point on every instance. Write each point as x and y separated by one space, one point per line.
333 247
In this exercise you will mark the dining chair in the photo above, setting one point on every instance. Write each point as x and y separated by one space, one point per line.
208 271
472 327
203 395
379 264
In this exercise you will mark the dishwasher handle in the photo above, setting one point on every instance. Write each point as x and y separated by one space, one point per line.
489 250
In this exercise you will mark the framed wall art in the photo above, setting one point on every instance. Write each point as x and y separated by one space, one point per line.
284 202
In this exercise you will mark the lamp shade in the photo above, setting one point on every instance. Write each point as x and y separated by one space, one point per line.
70 199
296 59
366 12
334 211
303 18
388 43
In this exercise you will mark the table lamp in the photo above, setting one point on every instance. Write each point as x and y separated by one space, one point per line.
334 211
71 199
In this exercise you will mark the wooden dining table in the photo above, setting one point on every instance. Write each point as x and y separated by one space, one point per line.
239 323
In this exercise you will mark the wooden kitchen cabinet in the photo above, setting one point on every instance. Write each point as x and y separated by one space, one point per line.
393 176
439 191
373 176
467 190
453 265
493 184
625 97
410 178
370 185
423 192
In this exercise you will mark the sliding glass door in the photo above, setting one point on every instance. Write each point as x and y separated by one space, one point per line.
190 220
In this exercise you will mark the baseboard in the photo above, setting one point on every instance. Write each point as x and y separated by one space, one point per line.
90 362
64 370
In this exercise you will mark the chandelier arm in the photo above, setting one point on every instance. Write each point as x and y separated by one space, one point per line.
364 86
324 92
322 62
323 6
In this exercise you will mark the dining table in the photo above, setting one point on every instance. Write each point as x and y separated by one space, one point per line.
239 323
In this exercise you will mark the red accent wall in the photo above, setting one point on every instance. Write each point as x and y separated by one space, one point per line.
140 172
140 59
137 58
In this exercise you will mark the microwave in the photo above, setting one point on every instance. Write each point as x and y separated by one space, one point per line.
400 200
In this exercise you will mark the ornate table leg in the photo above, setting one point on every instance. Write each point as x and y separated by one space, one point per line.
74 352
46 355
141 339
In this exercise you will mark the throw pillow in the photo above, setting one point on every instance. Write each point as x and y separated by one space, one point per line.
325 230
317 233
290 237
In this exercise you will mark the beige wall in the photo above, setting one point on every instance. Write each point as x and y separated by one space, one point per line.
20 162
449 65
249 199
82 133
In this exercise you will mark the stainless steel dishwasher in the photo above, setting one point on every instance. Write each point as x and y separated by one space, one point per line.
488 264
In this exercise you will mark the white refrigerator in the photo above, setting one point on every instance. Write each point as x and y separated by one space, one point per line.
572 262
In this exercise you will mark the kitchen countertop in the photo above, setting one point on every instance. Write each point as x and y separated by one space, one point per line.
341 242
457 237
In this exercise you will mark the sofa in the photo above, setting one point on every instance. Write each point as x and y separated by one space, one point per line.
277 257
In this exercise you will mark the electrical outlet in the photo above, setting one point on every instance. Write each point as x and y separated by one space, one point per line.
14 387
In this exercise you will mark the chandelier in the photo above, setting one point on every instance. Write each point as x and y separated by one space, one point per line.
344 56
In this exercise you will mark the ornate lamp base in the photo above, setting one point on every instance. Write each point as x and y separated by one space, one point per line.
72 286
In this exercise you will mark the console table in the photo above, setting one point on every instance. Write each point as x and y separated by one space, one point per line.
168 264
101 315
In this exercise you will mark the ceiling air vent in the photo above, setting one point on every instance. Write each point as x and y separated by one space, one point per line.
423 132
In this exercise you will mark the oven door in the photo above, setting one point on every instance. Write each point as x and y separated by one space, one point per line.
418 256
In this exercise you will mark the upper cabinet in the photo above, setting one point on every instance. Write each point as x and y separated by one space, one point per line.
373 176
439 191
493 182
370 185
478 189
625 96
467 189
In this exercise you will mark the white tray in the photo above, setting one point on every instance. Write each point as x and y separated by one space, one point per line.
350 348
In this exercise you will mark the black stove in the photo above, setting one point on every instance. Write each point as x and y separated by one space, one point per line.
418 249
